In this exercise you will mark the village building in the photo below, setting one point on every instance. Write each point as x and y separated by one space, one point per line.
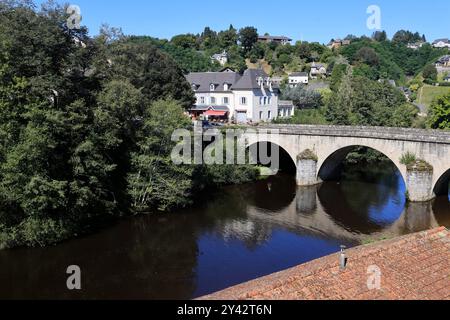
232 97
336 44
441 43
317 71
416 45
277 39
298 78
221 58
443 62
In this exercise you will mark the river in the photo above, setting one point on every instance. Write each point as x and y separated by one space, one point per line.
234 235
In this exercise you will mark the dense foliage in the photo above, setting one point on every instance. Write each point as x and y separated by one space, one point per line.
439 117
85 126
389 59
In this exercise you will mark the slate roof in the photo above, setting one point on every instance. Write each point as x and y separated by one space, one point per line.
249 80
444 59
439 40
203 80
274 38
298 74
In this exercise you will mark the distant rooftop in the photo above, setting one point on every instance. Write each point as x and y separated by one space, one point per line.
441 40
298 74
274 38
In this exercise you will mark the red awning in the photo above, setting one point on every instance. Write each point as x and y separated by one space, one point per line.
215 113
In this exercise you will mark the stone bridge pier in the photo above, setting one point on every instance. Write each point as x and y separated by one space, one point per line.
318 153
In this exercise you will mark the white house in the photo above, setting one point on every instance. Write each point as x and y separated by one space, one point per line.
416 45
317 70
447 78
248 98
222 58
297 78
443 62
283 40
441 43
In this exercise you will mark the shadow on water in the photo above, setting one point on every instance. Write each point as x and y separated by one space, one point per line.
238 234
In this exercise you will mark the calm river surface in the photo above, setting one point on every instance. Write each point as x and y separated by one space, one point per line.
238 234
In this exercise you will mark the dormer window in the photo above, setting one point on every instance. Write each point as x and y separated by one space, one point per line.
226 87
268 81
194 87
260 81
212 87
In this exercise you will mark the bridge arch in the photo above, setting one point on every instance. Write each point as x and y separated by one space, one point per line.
334 142
442 185
330 164
286 162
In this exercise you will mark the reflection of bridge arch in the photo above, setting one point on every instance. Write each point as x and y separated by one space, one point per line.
312 216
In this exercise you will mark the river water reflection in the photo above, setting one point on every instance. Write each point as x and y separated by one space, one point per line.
238 234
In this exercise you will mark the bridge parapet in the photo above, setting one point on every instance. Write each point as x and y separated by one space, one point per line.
402 134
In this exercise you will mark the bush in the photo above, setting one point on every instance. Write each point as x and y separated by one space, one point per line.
34 232
408 158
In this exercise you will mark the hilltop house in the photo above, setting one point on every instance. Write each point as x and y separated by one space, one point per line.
443 62
335 44
277 39
317 71
441 43
416 45
297 78
222 58
230 96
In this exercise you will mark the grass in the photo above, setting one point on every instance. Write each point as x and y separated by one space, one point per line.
427 93
260 64
408 159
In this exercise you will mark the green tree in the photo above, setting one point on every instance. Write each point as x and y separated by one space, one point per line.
302 97
186 41
439 113
248 37
150 70
379 36
228 38
154 181
430 72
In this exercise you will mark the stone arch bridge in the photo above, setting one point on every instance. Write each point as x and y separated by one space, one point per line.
318 151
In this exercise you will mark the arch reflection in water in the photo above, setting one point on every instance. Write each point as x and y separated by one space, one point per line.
237 234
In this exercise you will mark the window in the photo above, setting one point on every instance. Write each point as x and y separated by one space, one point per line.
225 100
225 87
202 100
269 100
261 100
270 115
265 100
260 115
213 100
243 101
260 81
212 87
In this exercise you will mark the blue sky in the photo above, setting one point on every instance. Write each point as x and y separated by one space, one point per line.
299 19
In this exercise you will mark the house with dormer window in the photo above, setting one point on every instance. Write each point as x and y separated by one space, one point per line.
248 98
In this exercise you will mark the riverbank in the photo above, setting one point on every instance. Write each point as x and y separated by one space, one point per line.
413 267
